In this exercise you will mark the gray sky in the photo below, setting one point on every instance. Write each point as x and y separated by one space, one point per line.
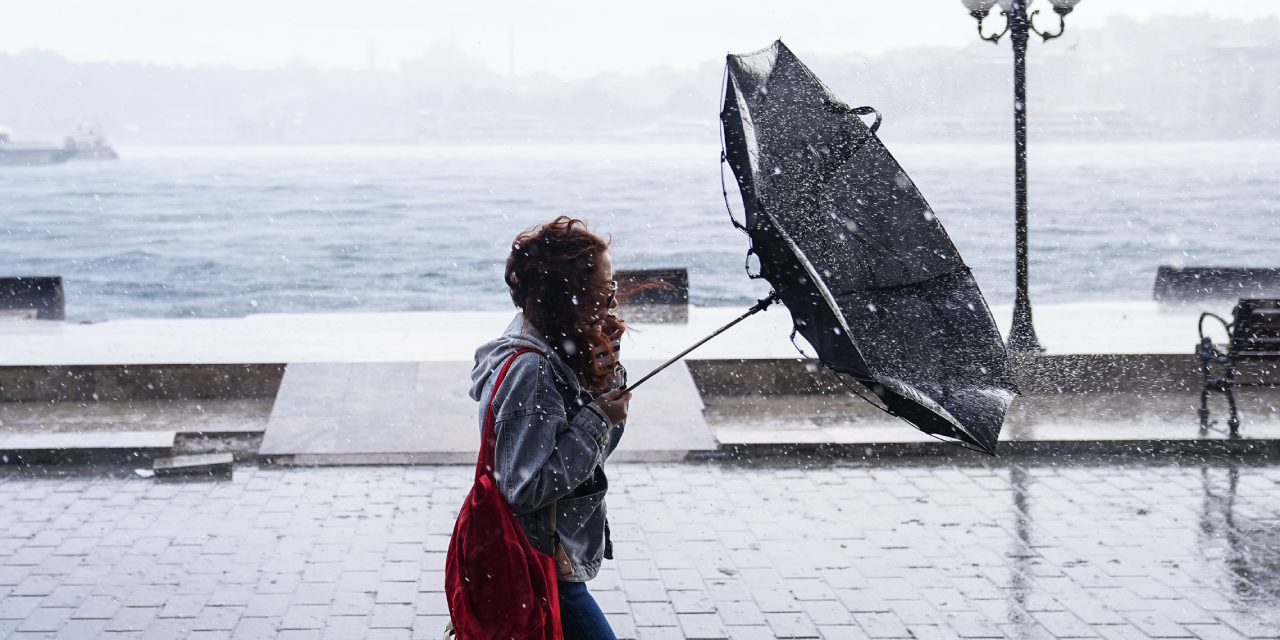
567 38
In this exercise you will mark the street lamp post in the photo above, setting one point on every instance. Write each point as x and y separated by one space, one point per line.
1019 26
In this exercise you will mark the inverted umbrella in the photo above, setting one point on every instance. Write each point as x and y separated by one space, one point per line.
852 249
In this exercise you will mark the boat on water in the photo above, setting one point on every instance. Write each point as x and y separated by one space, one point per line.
81 146
90 145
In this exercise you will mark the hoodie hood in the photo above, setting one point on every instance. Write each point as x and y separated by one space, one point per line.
520 334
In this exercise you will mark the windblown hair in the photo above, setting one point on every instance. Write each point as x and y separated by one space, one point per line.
551 273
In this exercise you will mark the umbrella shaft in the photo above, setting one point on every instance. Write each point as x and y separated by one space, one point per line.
760 306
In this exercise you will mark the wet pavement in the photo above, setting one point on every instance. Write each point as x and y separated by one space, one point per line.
929 550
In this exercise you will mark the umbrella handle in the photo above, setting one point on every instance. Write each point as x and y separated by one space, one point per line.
761 305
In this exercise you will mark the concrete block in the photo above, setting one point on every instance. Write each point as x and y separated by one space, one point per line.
665 420
420 413
657 295
94 448
93 383
35 298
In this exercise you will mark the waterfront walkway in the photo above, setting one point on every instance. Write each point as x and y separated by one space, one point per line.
1132 327
934 550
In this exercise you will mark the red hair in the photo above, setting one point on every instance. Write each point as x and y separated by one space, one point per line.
552 267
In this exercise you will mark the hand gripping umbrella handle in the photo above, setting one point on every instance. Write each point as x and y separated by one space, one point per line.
759 306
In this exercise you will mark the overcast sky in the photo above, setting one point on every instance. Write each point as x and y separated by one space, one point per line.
567 38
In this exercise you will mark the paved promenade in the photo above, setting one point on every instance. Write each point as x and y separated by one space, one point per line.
930 551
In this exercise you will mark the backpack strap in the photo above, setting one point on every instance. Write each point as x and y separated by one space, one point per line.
489 435
488 451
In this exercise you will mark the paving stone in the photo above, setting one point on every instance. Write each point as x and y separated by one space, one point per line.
1120 632
36 585
659 633
1214 632
147 595
1183 611
397 593
703 626
45 619
183 606
653 614
1025 630
623 626
13 575
776 601
608 601
1063 624
132 619
217 618
313 593
933 632
811 589
827 613
98 607
638 570
392 616
78 630
389 634
1157 625
681 579
882 625
299 634
400 572
792 625
304 616
916 612
346 628
429 627
751 632
1250 624
862 601
368 581
436 604
691 602
265 605
844 632
645 591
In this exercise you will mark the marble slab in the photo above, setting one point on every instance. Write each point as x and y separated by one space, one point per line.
86 440
420 413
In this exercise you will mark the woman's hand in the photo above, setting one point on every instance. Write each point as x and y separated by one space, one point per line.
614 404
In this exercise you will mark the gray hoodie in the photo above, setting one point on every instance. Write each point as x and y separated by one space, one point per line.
552 443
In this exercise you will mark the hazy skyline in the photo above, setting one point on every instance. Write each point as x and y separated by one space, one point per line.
565 38
1172 77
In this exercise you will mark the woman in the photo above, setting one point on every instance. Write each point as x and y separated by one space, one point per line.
560 411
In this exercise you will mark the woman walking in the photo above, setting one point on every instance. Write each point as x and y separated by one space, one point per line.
550 391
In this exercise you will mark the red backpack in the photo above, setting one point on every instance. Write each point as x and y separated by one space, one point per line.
499 587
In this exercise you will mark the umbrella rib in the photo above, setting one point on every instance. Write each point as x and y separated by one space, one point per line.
818 282
964 269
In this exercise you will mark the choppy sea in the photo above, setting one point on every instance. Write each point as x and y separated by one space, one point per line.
203 232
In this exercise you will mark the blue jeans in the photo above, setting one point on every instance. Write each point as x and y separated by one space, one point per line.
580 616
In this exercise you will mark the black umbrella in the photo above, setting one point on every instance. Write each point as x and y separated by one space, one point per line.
854 251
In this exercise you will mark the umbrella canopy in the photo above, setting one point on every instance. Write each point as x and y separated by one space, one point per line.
851 247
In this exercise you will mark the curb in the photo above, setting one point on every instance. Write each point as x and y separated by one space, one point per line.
1063 451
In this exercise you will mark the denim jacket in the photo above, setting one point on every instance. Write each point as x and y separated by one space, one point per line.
552 445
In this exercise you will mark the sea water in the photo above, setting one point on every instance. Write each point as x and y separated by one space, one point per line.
207 232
